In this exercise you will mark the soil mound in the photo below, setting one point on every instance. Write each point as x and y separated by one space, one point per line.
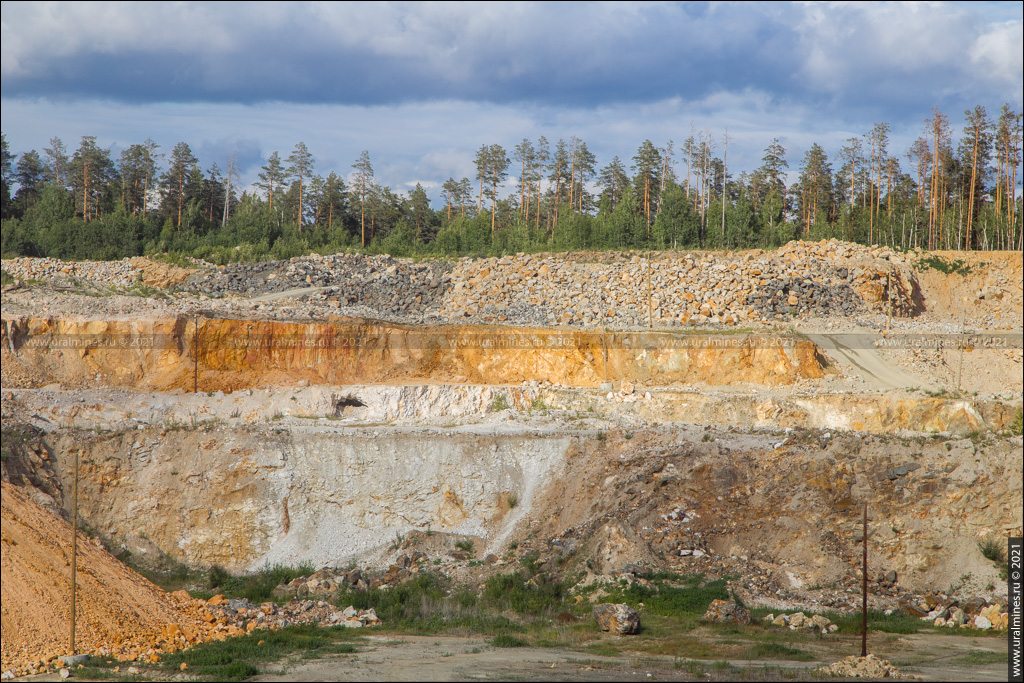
120 614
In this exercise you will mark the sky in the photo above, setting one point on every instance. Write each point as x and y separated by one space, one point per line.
423 85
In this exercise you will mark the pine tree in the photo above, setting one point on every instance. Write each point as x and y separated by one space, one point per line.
178 178
647 165
300 166
977 143
90 172
272 178
31 176
613 181
364 176
57 161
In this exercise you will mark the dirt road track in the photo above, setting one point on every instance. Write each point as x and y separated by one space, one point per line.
861 360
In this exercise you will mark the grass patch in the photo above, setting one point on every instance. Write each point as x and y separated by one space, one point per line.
98 669
603 650
505 640
671 595
429 604
776 650
499 403
172 578
944 266
236 658
513 592
982 657
1017 426
877 621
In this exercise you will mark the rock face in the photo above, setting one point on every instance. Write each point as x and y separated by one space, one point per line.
227 355
725 612
621 619
268 497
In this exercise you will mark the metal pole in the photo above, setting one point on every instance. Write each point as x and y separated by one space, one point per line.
604 343
864 604
74 553
963 342
195 355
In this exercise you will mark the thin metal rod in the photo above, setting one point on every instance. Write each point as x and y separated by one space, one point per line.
74 553
864 604
604 343
195 355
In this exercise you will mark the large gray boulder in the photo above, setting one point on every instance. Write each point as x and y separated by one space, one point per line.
621 619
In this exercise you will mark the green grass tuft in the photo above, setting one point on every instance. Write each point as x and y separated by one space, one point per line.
505 640
236 658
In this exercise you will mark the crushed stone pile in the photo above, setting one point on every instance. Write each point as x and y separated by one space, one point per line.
382 283
118 273
606 289
800 279
862 667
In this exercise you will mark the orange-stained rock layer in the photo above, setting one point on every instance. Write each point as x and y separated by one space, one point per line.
237 354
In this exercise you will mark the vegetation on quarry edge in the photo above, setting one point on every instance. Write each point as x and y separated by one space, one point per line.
511 610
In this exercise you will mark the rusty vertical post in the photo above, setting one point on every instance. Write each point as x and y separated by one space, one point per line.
604 343
963 343
864 604
74 552
195 355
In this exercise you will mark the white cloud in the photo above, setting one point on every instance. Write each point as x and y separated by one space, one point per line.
35 33
997 52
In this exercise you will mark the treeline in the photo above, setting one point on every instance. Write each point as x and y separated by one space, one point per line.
87 205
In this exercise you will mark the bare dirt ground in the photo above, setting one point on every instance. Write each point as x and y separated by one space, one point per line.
448 658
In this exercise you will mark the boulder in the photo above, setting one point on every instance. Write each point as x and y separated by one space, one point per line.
621 619
722 612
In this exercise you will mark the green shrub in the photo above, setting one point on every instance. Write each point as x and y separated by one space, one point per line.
426 604
672 595
255 587
940 264
513 592
993 549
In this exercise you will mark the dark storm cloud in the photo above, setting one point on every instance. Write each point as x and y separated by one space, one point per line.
354 54
423 84
832 56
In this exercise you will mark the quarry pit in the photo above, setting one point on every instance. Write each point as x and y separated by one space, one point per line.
734 423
